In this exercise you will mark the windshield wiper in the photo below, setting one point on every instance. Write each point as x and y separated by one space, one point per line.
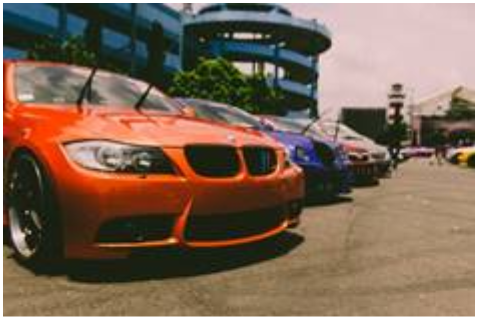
143 97
86 89
337 129
308 127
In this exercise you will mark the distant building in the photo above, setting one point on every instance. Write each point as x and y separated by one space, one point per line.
369 121
428 115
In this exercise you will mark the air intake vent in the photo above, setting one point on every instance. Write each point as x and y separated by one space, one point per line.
233 225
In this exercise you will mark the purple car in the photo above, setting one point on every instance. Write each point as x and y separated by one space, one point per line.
325 169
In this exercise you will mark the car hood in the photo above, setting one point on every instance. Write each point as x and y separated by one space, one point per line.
367 145
144 128
291 140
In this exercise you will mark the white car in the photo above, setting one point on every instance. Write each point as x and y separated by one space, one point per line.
346 134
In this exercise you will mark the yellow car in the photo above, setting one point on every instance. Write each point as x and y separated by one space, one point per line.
467 157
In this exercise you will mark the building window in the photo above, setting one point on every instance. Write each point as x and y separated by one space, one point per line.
76 25
12 53
41 13
115 40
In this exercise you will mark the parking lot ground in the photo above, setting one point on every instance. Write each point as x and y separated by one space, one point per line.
405 247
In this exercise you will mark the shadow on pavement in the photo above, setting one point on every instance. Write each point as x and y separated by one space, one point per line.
174 263
316 201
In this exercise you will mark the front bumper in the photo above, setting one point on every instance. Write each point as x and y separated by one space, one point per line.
89 202
327 181
383 168
364 173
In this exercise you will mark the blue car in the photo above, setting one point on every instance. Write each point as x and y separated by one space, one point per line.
325 168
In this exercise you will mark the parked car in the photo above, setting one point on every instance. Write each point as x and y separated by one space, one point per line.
363 168
417 152
466 157
98 165
378 153
325 174
453 155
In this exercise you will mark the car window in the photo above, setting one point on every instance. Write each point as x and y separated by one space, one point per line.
61 85
287 125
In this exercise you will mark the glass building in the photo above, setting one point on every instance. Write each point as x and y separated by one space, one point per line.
124 33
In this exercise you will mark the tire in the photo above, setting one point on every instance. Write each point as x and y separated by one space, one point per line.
454 159
471 161
33 220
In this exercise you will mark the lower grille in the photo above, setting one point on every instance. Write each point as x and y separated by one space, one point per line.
136 230
233 226
325 154
213 161
260 161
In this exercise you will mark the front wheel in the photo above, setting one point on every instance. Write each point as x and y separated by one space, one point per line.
471 161
33 220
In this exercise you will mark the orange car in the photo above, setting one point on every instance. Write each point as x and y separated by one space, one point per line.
98 164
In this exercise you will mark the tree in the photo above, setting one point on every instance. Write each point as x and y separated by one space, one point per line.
264 100
394 134
72 50
219 80
461 110
75 50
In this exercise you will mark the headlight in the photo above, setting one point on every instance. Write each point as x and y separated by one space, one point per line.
301 154
121 158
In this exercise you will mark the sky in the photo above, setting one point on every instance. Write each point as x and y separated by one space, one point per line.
429 48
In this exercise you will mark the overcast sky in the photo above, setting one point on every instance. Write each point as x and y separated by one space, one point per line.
428 47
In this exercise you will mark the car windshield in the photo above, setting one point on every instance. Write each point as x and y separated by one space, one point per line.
298 126
223 113
62 85
286 125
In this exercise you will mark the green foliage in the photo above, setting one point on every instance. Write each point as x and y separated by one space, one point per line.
219 80
72 51
394 134
461 110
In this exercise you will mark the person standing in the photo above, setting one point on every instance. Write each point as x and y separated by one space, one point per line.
439 142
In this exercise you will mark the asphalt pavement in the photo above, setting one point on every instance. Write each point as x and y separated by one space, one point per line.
406 247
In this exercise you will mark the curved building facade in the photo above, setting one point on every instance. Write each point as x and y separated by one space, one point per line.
261 38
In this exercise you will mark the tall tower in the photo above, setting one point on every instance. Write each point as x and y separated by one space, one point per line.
188 9
396 103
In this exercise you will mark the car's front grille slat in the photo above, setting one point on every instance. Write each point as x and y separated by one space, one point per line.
260 161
